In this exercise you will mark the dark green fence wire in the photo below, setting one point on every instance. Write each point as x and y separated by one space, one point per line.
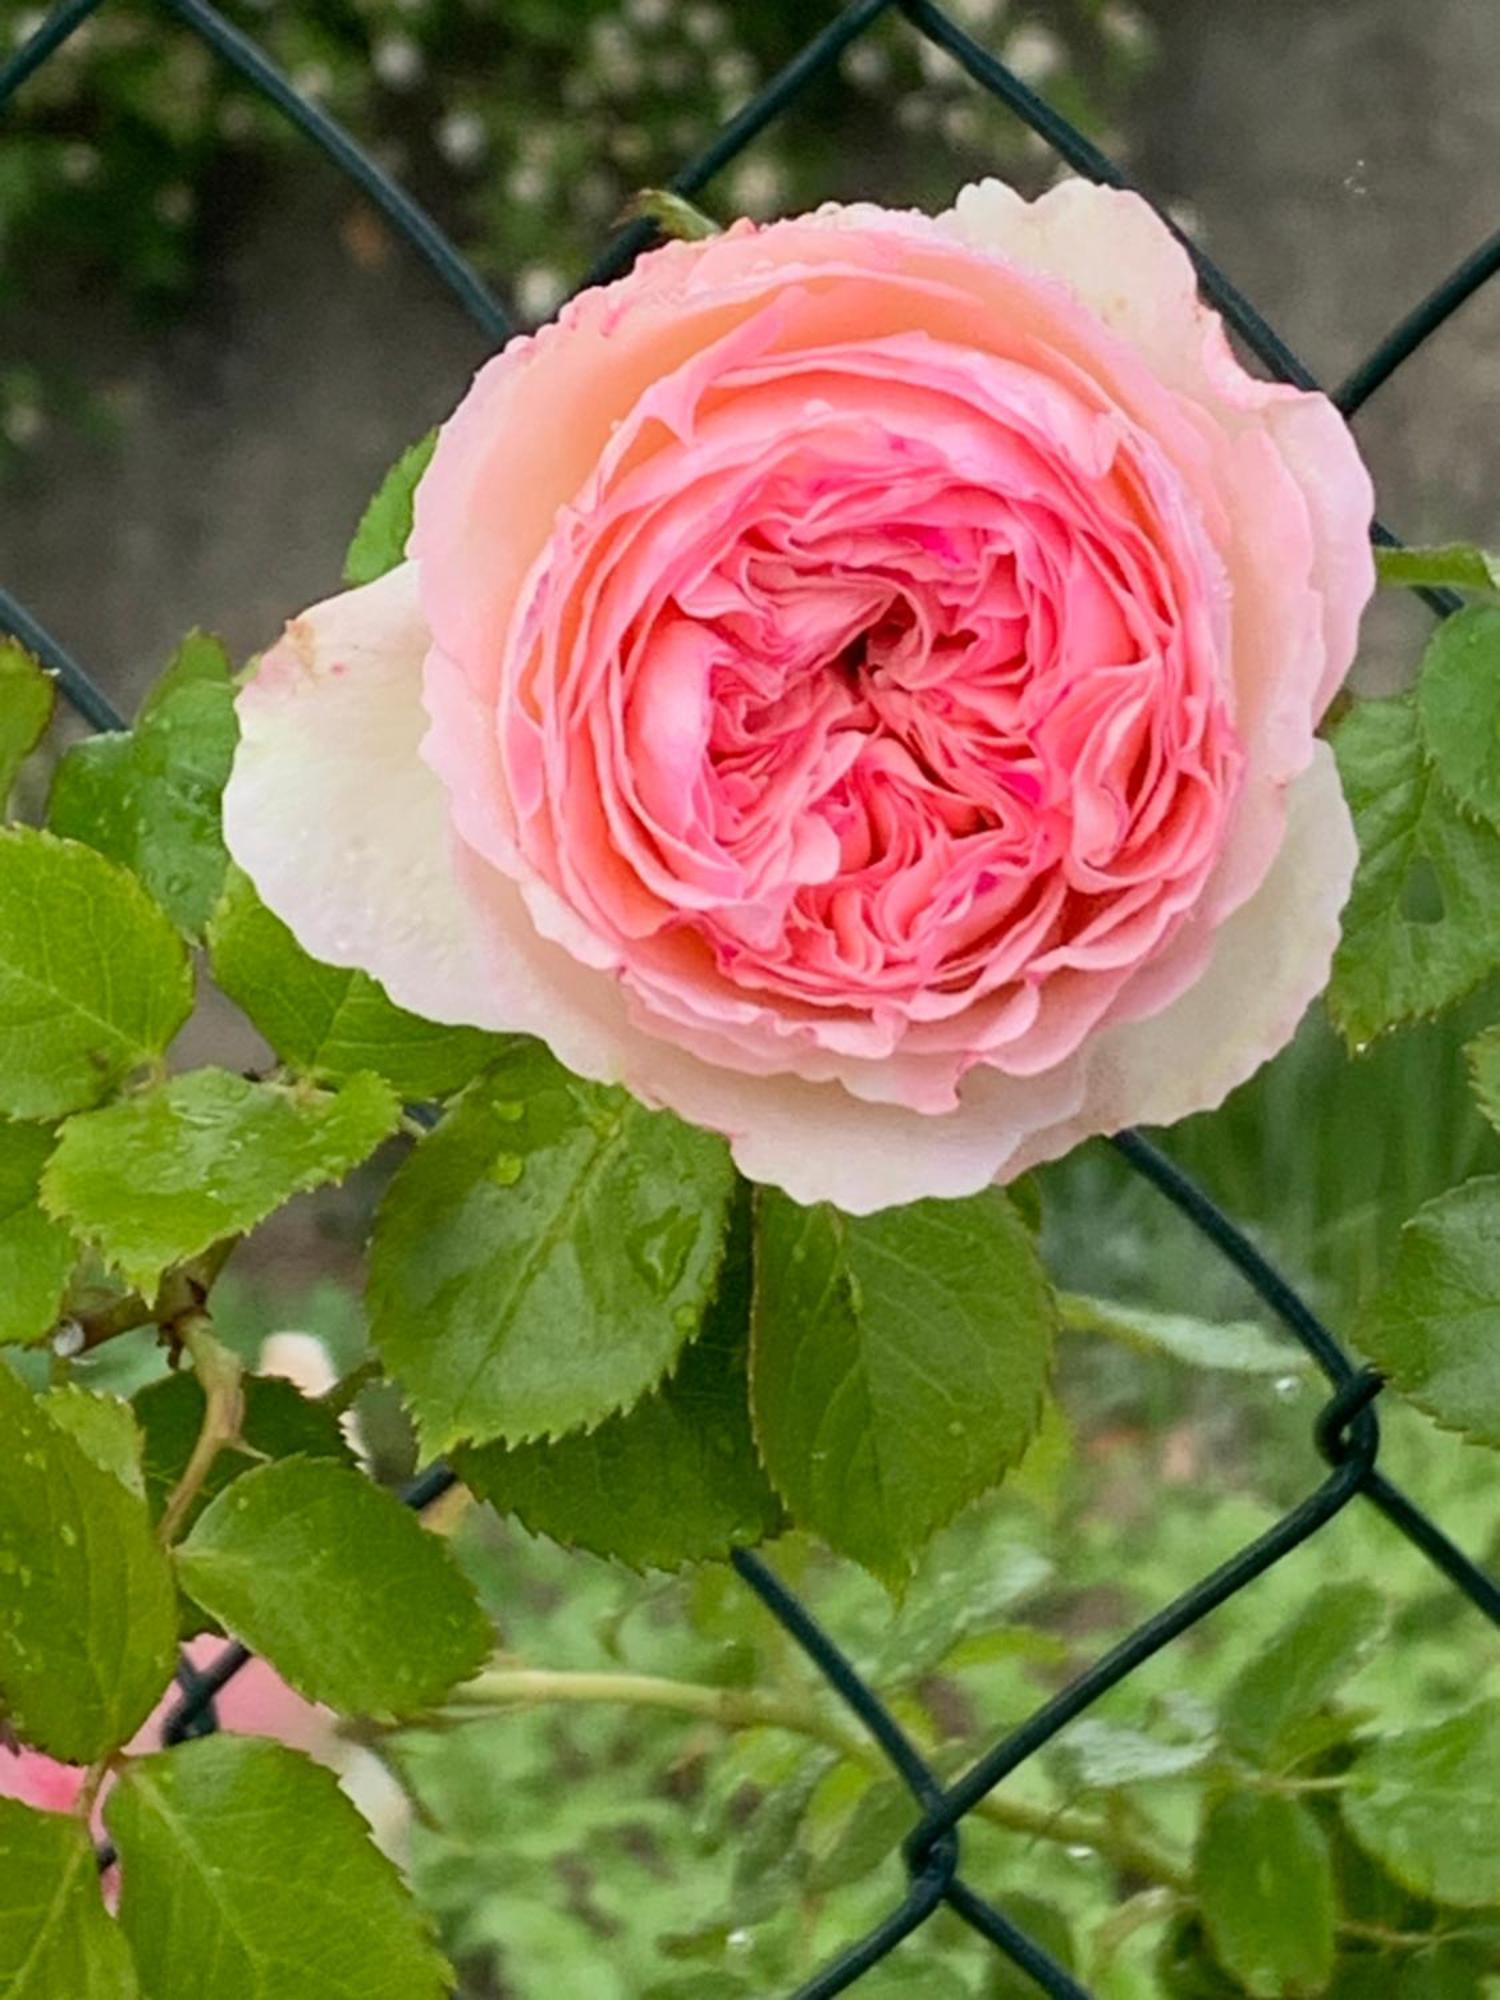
1345 1433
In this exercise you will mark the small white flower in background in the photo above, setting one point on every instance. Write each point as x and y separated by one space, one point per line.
916 112
236 120
595 193
397 61
622 74
174 204
1127 29
866 65
23 423
629 144
313 80
539 290
1034 53
756 186
936 64
734 73
962 124
27 24
704 23
648 13
79 163
462 139
1188 217
978 15
538 143
671 71
527 182
611 41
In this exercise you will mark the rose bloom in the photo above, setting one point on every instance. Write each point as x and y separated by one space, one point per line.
853 683
257 1702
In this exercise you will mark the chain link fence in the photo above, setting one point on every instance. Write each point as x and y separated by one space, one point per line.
1346 1432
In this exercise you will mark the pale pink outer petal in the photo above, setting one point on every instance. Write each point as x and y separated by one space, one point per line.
332 813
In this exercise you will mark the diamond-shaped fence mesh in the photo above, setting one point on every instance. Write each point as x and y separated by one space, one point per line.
1345 1433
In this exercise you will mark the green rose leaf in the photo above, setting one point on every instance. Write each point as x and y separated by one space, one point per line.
1484 1069
104 1428
1045 1925
380 539
882 1816
36 1253
327 1022
898 1363
1422 925
150 797
543 1255
1238 1346
673 1480
80 1665
1185 1967
1422 1804
94 981
1458 706
674 215
245 1870
26 696
1460 565
341 1588
160 1176
1100 1755
278 1422
1434 1327
1265 1882
925 1980
56 1940
1300 1670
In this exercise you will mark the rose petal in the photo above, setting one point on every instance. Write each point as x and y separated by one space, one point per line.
335 818
1269 961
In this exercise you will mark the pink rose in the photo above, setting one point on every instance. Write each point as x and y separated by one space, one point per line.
257 1702
854 683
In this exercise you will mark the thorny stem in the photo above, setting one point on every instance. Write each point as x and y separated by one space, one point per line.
220 1373
93 1779
182 1291
759 1708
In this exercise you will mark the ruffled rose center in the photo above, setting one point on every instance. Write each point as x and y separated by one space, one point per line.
863 726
